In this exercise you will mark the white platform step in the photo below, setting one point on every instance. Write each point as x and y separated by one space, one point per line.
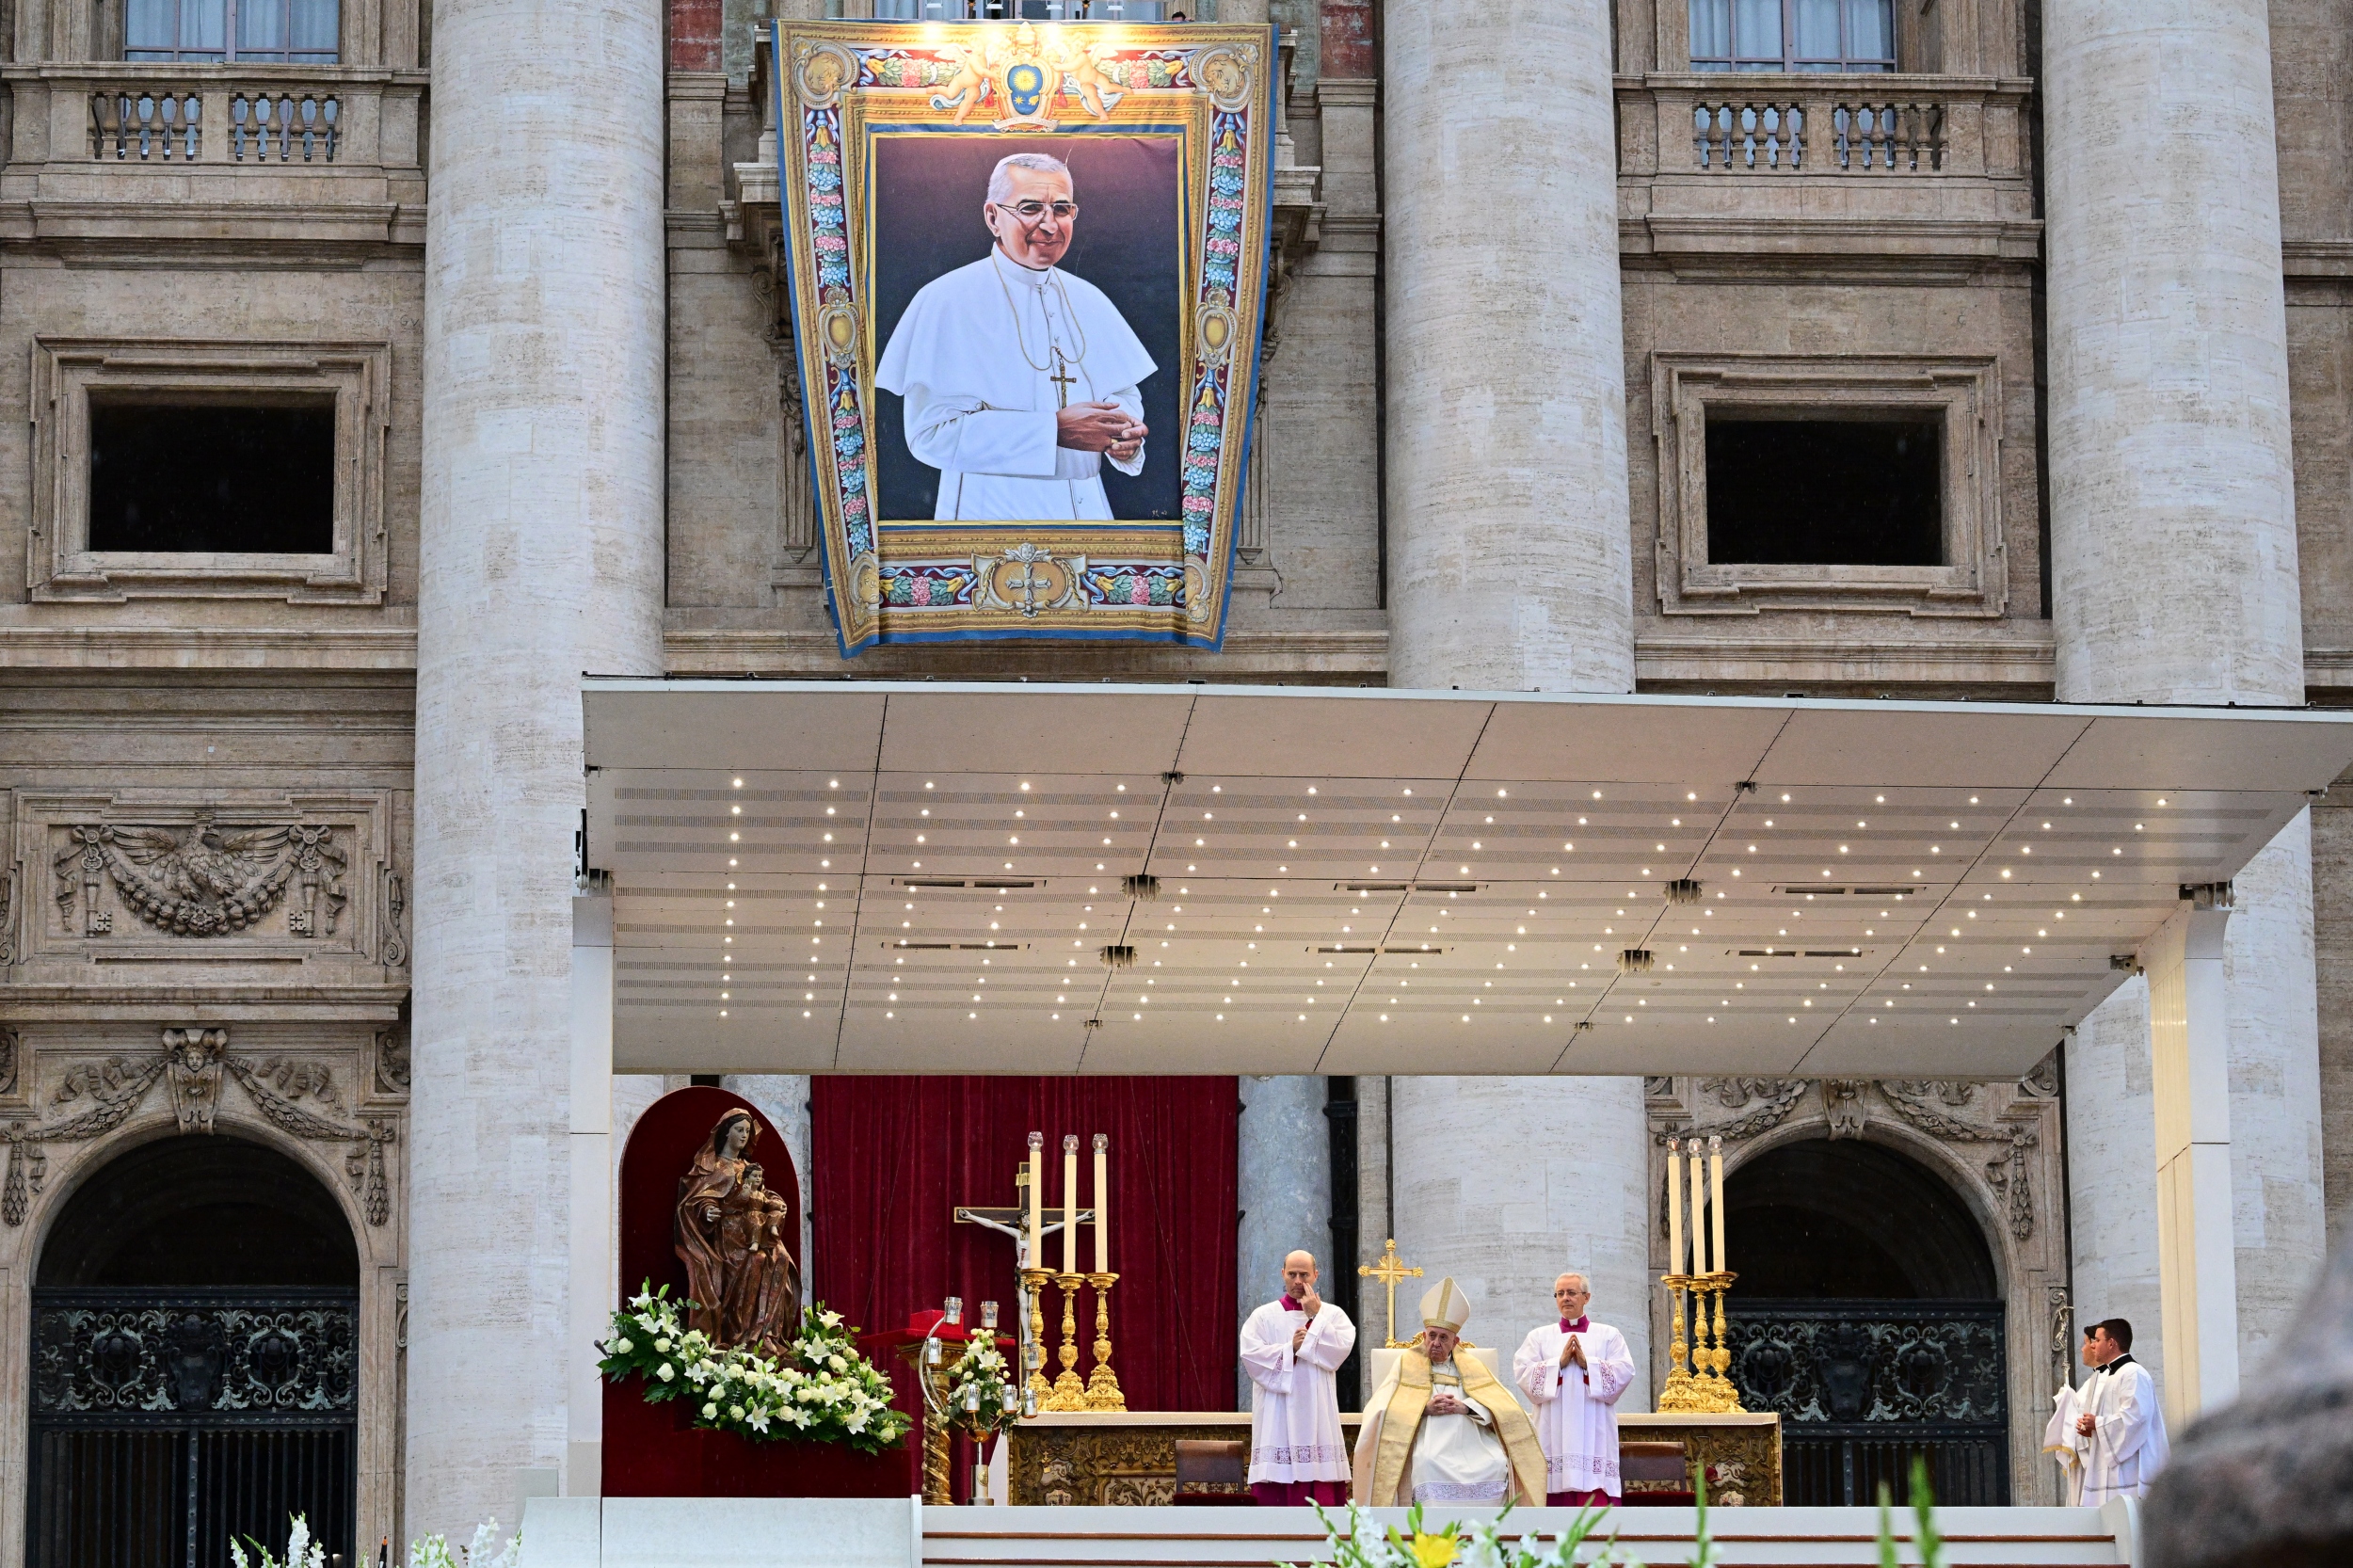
899 1532
1255 1538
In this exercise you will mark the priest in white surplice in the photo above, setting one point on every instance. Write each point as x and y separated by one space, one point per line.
2109 1434
1574 1372
1440 1429
1021 378
1291 1347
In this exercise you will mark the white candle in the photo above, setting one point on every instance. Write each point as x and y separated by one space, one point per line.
1102 1205
1699 1189
1069 1203
1716 1195
1674 1206
1036 1260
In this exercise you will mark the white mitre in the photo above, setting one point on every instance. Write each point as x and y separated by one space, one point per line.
1444 1305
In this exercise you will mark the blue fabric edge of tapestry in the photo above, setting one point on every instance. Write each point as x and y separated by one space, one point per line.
1215 642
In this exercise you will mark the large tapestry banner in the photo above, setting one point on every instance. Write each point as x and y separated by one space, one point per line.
1028 267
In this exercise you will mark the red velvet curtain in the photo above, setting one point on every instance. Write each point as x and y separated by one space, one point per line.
891 1159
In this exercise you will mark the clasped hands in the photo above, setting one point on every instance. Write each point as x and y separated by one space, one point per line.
2086 1425
1445 1404
1103 427
1573 1353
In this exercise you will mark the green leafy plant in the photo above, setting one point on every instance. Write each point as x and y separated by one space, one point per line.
1923 1534
820 1390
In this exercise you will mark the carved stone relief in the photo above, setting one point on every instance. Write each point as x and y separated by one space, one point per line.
8 1059
203 880
297 1094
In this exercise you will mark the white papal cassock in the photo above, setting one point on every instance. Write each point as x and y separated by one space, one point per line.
979 357
2126 1447
1294 1398
1576 1421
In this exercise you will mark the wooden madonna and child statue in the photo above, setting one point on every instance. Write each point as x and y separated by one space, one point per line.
729 1232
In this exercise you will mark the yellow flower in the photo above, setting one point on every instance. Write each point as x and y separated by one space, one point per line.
1434 1551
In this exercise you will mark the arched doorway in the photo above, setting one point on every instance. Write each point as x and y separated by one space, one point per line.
195 1361
1869 1315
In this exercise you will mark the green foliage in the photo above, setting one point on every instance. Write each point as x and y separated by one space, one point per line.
821 1389
1924 1535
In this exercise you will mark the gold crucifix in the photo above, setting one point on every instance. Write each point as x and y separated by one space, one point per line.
1389 1272
1063 381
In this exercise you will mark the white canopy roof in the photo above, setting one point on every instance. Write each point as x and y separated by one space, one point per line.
925 877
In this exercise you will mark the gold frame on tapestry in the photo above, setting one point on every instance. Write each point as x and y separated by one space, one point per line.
1139 538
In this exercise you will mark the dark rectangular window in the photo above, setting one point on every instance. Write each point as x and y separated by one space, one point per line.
243 479
1853 492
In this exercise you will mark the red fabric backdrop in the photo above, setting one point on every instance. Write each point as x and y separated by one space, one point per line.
893 1156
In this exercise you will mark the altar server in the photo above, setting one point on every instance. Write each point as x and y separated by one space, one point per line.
2059 1439
1440 1429
1574 1372
1291 1347
2120 1432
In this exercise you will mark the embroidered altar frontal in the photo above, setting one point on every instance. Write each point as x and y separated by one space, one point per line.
1028 270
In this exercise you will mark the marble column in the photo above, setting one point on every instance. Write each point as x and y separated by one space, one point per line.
2174 570
1506 1182
1283 1191
1510 563
2111 1165
540 557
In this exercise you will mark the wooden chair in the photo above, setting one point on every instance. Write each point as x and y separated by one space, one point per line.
1210 1474
1655 1475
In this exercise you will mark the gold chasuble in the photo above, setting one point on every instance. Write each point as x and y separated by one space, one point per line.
1393 1425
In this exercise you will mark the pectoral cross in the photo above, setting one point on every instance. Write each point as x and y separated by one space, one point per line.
1063 381
1389 1272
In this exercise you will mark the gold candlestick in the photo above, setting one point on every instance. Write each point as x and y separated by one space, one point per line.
1069 1393
1682 1390
1103 1391
1040 1390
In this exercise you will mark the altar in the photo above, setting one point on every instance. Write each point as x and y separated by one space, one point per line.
1128 1458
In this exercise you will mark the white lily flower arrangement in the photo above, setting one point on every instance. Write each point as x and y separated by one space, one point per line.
981 1394
821 1390
301 1551
483 1552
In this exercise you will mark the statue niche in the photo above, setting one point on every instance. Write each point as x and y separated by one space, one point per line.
729 1230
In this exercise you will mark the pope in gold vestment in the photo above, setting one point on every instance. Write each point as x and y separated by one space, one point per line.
1442 1428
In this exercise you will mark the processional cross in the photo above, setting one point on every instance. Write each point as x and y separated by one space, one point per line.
1389 1272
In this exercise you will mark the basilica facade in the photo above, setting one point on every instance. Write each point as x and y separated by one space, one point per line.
371 370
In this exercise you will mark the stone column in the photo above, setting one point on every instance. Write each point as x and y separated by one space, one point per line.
2173 559
2173 573
1284 1189
1509 563
1507 1183
2111 1161
540 557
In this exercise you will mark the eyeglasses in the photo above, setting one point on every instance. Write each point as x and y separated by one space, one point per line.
1030 212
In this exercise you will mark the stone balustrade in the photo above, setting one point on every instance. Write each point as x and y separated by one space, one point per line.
1725 124
318 153
1907 172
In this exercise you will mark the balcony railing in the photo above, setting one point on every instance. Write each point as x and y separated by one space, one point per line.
288 117
1720 124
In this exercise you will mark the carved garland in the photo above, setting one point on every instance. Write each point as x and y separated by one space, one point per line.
2007 1174
195 1060
201 881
